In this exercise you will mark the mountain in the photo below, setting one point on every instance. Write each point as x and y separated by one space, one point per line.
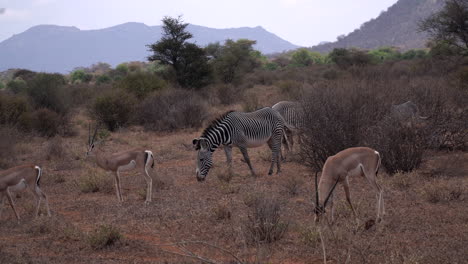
398 27
53 48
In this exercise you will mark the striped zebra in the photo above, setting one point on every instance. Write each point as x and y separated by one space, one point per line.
242 130
293 115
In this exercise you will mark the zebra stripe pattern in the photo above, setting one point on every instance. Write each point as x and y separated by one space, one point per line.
293 115
242 130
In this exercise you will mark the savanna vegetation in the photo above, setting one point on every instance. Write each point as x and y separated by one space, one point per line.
164 103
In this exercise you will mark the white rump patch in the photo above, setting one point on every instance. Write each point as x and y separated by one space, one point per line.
129 166
19 186
376 152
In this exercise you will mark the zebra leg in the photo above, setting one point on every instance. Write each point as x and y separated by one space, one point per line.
247 159
228 152
275 157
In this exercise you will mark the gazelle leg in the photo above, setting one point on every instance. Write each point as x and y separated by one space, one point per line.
371 177
12 204
149 186
247 159
117 186
348 196
332 210
41 194
2 202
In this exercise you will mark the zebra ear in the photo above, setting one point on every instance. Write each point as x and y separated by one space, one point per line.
204 143
196 143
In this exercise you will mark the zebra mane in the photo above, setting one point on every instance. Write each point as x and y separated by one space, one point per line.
215 122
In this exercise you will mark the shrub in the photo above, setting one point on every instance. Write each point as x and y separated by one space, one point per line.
81 76
54 149
102 79
48 91
227 93
141 83
104 236
442 191
293 185
172 109
265 224
8 138
95 180
12 108
291 89
47 122
401 145
346 58
221 212
17 86
113 109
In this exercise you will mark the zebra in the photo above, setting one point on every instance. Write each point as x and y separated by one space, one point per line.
293 115
242 130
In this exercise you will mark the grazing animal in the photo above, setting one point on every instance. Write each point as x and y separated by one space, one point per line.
123 161
242 130
338 168
293 115
18 179
406 111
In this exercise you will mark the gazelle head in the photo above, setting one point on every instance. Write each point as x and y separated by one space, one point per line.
204 157
319 209
91 141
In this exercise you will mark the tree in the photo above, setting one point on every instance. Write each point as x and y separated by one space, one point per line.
449 26
189 62
81 76
234 59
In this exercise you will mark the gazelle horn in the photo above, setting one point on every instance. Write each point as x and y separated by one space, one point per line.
330 193
316 190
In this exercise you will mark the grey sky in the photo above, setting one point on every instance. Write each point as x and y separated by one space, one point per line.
302 22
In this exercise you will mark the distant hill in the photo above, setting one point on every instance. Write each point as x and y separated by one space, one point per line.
398 26
60 49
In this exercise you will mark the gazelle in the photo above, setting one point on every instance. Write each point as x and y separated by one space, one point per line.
123 161
338 168
20 178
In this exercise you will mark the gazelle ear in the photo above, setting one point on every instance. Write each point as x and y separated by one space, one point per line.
196 143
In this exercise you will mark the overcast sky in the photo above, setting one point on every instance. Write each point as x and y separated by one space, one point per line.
302 22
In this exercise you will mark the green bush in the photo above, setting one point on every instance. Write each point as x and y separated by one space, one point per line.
141 83
48 91
17 86
345 58
81 76
113 109
101 79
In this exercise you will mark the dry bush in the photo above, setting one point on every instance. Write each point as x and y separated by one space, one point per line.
400 145
310 236
228 93
337 115
171 110
48 123
264 224
292 185
104 236
95 180
291 89
443 191
250 102
55 149
402 180
222 212
8 138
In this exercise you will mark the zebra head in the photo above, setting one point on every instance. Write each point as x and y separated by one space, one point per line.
204 157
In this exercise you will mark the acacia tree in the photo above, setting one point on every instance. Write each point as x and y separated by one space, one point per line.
233 59
189 61
450 25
